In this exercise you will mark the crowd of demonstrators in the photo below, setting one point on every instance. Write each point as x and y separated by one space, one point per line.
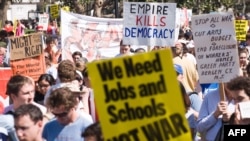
60 104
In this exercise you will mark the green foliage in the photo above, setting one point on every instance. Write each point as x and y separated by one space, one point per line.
205 6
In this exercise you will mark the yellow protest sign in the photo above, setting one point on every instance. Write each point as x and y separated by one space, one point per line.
241 29
138 98
54 11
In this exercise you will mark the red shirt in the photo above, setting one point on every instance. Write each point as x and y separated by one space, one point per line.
8 28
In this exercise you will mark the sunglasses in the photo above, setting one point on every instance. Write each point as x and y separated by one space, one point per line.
60 114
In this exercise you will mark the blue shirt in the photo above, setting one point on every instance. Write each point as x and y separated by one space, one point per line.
54 131
207 124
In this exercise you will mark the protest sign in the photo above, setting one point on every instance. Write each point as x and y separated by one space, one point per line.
94 37
33 67
54 11
27 55
215 47
43 21
241 29
26 46
139 98
151 24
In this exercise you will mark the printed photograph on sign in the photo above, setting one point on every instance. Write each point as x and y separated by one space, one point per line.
137 97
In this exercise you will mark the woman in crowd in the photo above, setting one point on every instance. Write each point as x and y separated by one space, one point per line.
43 84
52 49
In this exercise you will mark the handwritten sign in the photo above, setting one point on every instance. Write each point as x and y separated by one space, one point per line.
32 67
150 24
26 46
241 29
137 97
216 47
54 11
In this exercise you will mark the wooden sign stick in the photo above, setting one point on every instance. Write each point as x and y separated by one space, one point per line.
222 92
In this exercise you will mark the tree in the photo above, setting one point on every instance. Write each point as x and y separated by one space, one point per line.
4 5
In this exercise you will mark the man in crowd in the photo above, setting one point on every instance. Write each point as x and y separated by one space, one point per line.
21 90
214 112
93 132
69 123
28 123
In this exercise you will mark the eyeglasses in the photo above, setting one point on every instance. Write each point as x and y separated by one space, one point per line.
60 114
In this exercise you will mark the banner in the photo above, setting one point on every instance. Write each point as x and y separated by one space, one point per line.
26 46
94 37
138 97
151 24
215 47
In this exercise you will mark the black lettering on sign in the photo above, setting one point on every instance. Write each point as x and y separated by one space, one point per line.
33 50
153 88
119 93
32 65
147 67
201 21
228 18
134 113
132 135
214 32
221 38
108 72
224 59
211 72
20 42
165 129
35 70
214 20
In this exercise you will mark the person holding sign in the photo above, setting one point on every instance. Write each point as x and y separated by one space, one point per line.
52 49
213 113
240 91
